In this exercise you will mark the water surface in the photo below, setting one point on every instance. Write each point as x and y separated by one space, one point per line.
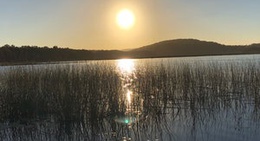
193 98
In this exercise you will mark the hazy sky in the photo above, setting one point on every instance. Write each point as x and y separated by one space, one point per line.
91 24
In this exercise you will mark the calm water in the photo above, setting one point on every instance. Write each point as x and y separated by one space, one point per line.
171 99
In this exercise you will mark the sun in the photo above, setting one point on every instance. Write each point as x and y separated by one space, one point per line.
125 19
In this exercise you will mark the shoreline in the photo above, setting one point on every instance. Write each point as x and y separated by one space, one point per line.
154 57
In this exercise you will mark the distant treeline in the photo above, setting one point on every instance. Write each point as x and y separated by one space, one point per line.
171 48
13 54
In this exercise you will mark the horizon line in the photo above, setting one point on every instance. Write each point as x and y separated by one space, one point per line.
167 40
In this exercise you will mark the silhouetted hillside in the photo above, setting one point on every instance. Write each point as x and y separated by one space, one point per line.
189 47
12 54
171 48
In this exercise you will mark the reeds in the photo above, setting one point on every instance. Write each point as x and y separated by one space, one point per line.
79 101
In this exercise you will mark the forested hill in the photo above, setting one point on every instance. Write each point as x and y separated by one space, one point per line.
13 54
170 48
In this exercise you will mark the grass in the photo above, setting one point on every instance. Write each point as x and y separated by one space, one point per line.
80 101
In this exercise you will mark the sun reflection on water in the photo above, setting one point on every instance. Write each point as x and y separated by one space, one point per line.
129 96
126 66
131 99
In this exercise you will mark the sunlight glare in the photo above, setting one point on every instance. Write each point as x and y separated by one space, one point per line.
126 66
128 96
125 19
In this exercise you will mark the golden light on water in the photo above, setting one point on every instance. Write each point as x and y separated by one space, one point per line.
125 19
128 96
126 66
132 101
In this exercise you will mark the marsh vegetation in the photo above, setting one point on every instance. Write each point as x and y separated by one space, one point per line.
197 98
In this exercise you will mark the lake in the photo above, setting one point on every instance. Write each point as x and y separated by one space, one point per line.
165 99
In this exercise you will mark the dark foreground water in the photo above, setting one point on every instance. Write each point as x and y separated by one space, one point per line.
171 99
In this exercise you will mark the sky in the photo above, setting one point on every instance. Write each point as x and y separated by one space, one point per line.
91 24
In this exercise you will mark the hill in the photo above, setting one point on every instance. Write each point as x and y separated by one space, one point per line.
191 47
170 48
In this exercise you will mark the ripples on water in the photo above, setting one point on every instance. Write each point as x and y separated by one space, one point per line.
196 98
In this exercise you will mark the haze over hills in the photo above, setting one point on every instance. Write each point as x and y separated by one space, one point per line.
169 48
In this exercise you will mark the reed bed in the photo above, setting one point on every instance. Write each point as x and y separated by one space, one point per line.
79 102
